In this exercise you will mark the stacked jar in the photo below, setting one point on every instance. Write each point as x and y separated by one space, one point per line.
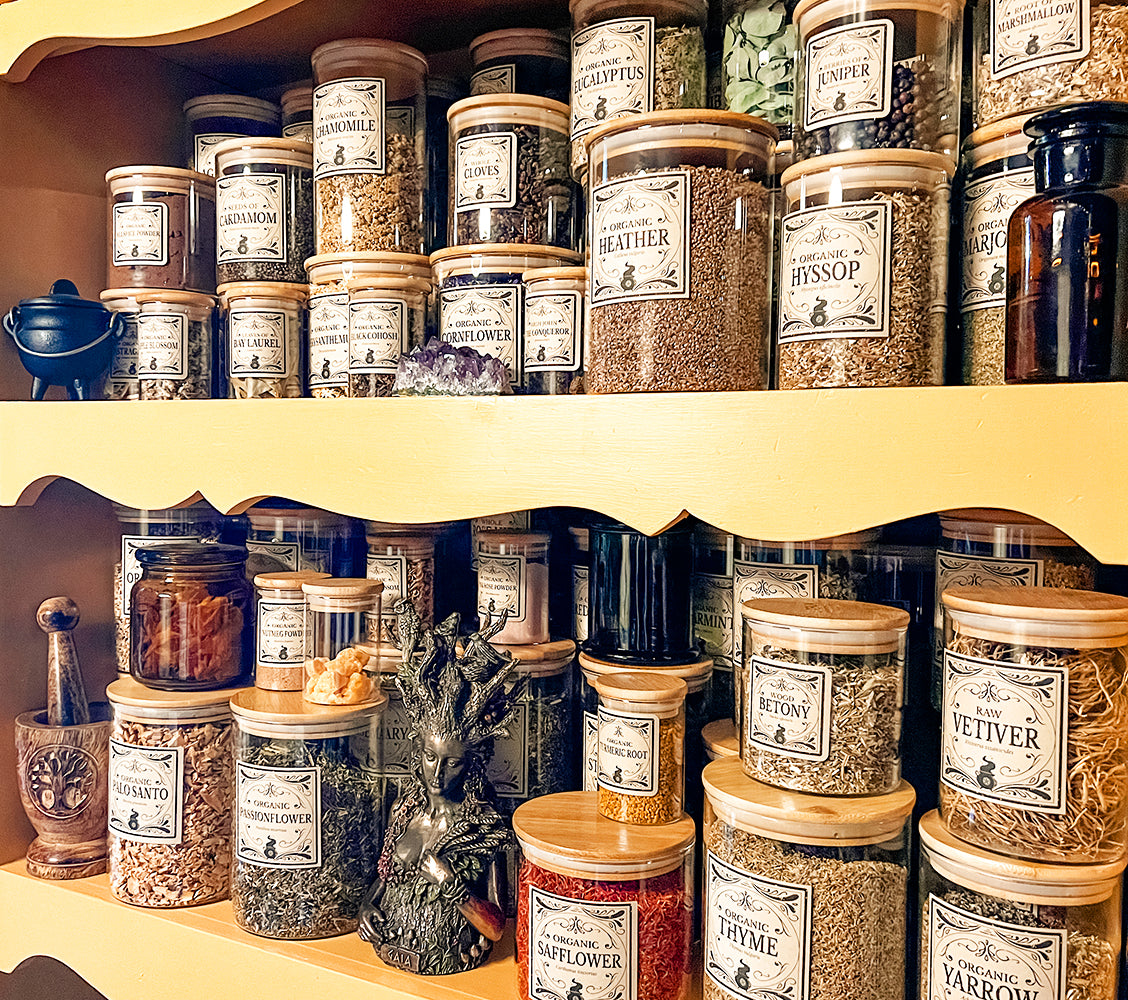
555 324
297 112
214 118
342 616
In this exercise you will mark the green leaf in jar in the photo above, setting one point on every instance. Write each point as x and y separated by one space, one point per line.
762 22
744 95
770 75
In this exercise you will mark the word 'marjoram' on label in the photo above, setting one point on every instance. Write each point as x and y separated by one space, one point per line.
988 205
612 72
146 793
1003 732
377 335
836 272
278 816
349 121
485 171
502 582
1026 34
258 339
486 318
849 74
162 346
250 213
501 79
553 331
627 756
789 708
140 233
328 340
281 631
396 736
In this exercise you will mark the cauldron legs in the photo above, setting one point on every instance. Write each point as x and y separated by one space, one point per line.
38 387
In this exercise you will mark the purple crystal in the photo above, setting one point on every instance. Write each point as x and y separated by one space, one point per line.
441 369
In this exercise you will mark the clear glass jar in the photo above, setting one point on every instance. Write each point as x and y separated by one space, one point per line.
263 209
405 564
809 889
581 567
521 61
191 617
997 175
580 868
171 794
866 233
266 323
308 826
758 61
986 919
122 381
1035 699
214 118
442 92
286 536
878 75
280 629
342 614
555 330
176 352
297 112
397 732
721 739
369 158
670 192
631 57
513 577
784 157
506 522
712 602
387 318
161 229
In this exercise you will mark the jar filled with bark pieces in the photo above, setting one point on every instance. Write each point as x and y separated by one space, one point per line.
176 348
280 629
521 61
265 339
171 792
341 614
192 617
404 562
555 330
387 318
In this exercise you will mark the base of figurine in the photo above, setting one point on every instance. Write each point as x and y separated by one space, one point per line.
58 861
399 958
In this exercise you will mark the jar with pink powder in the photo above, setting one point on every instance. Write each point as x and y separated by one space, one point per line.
513 577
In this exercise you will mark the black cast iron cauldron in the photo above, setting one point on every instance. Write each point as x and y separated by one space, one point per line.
64 339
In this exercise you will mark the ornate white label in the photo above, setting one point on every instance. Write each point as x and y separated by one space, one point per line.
328 340
500 79
377 336
508 768
554 323
299 130
486 318
713 616
395 736
204 150
258 342
278 556
579 603
788 708
146 793
1003 732
162 345
281 631
954 570
348 127
485 171
582 950
501 586
612 72
849 74
988 206
628 752
761 579
131 567
250 212
140 233
972 957
1030 33
401 120
757 936
125 354
391 571
591 751
278 816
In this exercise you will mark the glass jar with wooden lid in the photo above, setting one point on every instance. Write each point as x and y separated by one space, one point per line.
721 739
280 642
387 318
342 613
521 61
555 331
265 339
513 579
404 561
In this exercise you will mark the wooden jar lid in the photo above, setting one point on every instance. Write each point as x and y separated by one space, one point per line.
289 708
979 524
826 613
288 579
720 739
1051 616
139 700
646 687
343 586
541 658
695 674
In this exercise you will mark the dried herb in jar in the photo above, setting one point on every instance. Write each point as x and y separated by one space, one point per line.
759 62
679 67
665 804
183 632
196 382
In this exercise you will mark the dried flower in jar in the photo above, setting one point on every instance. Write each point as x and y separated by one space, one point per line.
182 632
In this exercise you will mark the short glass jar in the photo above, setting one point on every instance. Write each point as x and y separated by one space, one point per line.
387 318
288 536
994 918
214 118
1035 699
758 60
555 330
280 632
864 270
581 568
679 235
263 209
823 686
297 112
721 739
264 345
342 614
171 795
580 867
369 158
823 878
405 564
308 794
521 61
513 578
122 381
161 229
175 344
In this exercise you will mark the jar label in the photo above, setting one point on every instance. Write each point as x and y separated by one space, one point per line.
146 793
328 340
377 336
485 171
401 120
1026 34
713 616
581 949
553 331
628 752
757 935
1003 734
508 768
591 751
258 339
486 318
131 566
396 730
501 79
835 272
162 345
299 130
348 127
391 571
278 816
125 354
580 603
640 238
987 207
250 212
204 150
763 579
849 74
281 631
612 72
788 708
970 956
140 233
501 586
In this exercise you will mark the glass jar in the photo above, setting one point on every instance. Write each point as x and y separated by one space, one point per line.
803 889
510 181
784 157
866 233
581 567
175 344
342 614
878 75
1057 927
521 61
264 209
405 564
480 297
161 229
758 68
297 112
387 318
441 94
122 383
288 536
823 686
280 633
506 522
369 160
513 577
555 330
1067 292
214 118
721 739
308 824
998 175
579 869
264 339
398 750
679 237
631 57
1035 699
712 602
171 792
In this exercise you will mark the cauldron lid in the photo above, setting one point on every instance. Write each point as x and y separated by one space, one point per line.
63 294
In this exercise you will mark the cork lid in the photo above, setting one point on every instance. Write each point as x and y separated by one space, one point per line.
157 178
984 524
1082 619
285 709
138 701
288 579
696 674
508 109
824 820
262 290
641 687
720 739
541 659
565 833
342 586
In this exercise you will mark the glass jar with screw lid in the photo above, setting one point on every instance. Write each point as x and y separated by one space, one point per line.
281 629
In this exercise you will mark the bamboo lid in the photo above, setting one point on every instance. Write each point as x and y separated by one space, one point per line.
288 579
565 833
402 286
644 687
873 168
519 42
489 256
231 105
289 708
695 118
420 544
824 820
720 739
267 150
1049 616
262 516
508 109
113 294
832 10
850 540
174 297
695 674
377 50
131 692
556 274
159 178
826 613
298 98
981 524
999 140
541 659
263 290
343 586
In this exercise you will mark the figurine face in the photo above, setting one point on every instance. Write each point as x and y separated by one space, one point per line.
444 763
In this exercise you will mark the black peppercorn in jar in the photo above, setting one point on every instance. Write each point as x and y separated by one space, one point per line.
214 118
521 61
175 344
